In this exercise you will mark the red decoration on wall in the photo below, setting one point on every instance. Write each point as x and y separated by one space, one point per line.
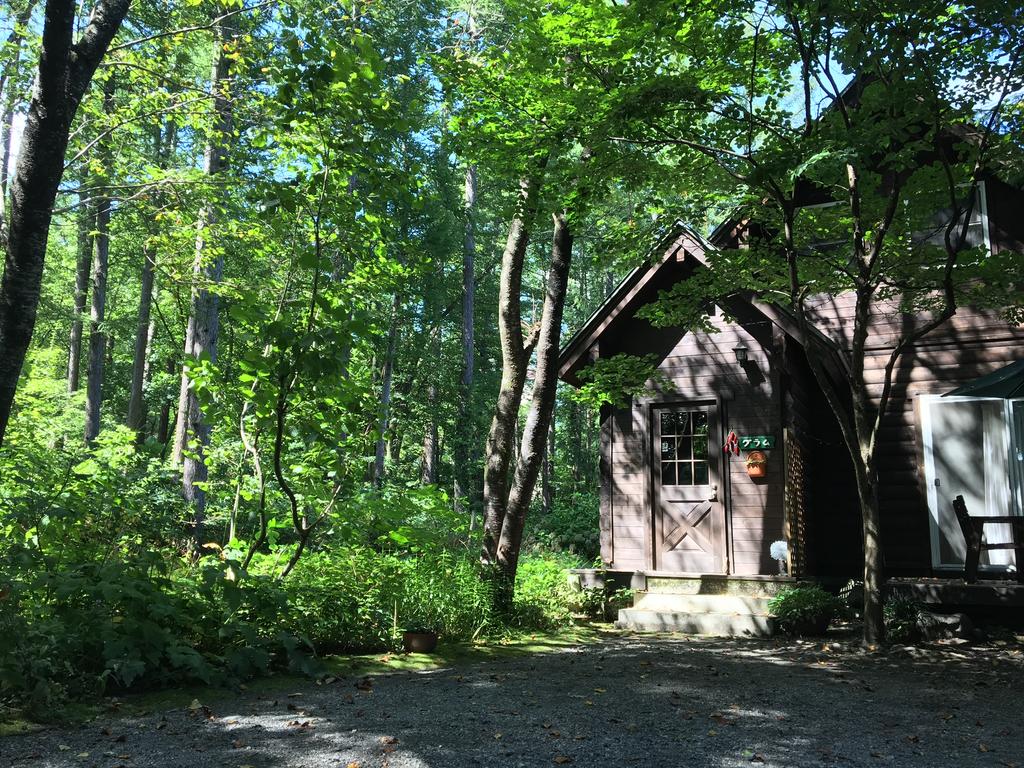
732 444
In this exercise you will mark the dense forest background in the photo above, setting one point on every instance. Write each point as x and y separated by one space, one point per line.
309 265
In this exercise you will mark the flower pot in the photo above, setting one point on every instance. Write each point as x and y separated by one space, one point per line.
757 464
419 642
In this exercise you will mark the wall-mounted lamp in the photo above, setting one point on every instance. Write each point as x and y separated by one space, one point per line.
741 354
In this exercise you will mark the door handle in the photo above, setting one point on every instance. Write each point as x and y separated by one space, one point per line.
714 493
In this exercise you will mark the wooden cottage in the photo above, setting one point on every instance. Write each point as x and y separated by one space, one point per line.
682 514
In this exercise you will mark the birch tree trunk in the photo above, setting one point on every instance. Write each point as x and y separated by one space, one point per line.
66 67
191 429
9 99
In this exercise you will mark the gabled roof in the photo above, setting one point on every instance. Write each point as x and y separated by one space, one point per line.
675 246
680 244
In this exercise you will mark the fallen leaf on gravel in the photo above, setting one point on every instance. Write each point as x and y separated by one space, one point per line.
562 759
757 758
365 684
63 747
388 740
195 706
353 764
599 690
983 748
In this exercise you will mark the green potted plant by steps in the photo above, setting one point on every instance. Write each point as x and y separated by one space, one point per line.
804 610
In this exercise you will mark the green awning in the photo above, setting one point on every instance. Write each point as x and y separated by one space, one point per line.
1007 382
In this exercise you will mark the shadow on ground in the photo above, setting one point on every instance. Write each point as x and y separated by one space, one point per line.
613 700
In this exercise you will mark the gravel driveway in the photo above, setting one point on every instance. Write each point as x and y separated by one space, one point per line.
624 700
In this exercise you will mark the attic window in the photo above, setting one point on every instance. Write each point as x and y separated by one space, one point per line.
934 232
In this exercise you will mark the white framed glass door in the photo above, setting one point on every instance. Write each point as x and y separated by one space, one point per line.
972 448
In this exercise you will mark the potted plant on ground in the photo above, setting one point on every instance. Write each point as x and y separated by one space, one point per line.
421 629
804 610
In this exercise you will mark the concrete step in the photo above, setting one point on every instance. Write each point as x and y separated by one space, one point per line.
715 624
679 603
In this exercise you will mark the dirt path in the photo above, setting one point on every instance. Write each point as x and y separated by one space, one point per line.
624 700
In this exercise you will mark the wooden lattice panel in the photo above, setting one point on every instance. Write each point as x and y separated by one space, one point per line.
795 504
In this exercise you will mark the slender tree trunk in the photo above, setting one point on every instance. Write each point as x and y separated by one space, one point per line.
203 330
163 427
97 317
515 356
428 476
538 419
143 335
10 98
98 306
86 221
547 492
63 75
465 437
387 375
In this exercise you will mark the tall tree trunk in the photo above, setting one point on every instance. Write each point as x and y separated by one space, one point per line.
9 99
163 426
387 376
191 430
86 220
547 491
465 436
98 306
538 419
143 335
428 475
515 356
65 70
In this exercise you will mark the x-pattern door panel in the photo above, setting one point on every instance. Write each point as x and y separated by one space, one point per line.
689 520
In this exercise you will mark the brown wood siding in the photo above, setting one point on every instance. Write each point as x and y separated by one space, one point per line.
702 366
974 342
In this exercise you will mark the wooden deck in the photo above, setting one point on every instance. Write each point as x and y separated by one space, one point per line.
957 592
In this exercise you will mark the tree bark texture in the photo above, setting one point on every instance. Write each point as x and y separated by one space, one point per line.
387 377
86 221
515 356
547 491
9 99
140 357
192 432
65 70
465 437
98 305
542 403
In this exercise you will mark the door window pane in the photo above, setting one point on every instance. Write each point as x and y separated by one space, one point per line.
684 447
668 473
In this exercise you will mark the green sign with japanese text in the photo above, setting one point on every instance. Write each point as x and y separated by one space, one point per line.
756 442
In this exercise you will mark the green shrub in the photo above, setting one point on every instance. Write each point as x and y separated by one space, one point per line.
804 610
902 616
573 526
357 599
544 598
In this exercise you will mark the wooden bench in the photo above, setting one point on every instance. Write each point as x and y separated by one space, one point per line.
973 529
